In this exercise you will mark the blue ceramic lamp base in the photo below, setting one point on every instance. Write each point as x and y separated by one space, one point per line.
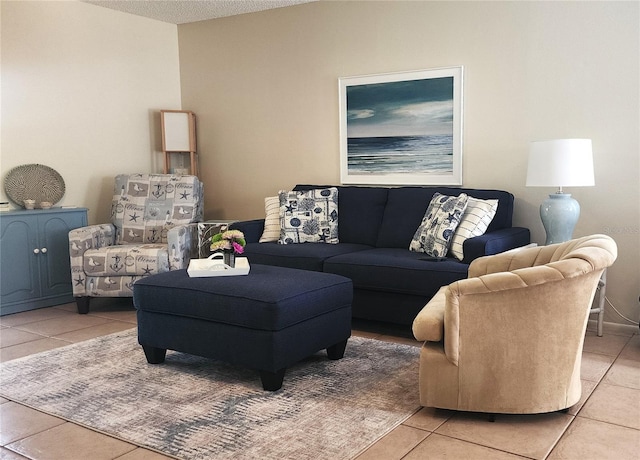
559 214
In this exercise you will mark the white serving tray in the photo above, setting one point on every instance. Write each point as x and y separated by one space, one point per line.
214 266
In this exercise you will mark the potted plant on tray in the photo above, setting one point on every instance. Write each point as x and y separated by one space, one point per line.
230 243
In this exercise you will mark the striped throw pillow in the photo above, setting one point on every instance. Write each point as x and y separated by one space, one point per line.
272 220
475 220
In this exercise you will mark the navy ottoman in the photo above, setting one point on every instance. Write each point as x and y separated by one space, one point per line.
267 320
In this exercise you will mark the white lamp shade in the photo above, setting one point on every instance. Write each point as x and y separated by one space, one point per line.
561 163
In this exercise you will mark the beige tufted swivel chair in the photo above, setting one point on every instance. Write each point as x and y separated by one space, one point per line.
508 339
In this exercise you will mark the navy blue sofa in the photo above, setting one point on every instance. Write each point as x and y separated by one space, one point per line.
375 227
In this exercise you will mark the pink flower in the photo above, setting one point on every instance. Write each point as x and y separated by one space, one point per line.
237 247
231 239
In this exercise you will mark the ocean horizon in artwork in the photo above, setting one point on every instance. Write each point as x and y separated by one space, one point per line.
426 154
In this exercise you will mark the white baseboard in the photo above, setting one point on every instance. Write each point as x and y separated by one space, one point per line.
613 328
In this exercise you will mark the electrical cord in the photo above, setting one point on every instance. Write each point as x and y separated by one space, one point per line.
620 314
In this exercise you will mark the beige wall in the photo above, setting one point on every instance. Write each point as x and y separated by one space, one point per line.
81 87
265 89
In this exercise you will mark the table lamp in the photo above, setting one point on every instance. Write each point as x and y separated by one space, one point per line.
560 163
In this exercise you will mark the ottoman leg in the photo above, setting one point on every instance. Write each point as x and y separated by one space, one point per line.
337 351
154 355
272 381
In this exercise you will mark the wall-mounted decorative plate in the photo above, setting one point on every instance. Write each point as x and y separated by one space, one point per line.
35 182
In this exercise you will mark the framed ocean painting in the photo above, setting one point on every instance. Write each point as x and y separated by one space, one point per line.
402 128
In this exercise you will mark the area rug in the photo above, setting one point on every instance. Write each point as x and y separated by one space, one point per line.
196 408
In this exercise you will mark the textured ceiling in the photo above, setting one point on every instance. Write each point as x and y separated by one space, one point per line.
184 11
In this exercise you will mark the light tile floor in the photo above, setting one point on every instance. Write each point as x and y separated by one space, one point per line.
604 424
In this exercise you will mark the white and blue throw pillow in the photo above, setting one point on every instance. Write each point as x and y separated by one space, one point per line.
439 223
309 216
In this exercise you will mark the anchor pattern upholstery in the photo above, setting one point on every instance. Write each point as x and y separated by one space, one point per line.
150 232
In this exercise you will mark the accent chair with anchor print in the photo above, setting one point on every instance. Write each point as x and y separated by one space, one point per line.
153 230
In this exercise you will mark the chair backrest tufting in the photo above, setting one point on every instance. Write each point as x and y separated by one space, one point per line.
146 206
593 252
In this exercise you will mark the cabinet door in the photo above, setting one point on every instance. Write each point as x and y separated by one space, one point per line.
19 278
53 241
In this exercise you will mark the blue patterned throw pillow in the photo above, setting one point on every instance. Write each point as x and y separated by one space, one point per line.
309 216
439 223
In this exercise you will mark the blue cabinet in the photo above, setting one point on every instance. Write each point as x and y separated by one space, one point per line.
34 257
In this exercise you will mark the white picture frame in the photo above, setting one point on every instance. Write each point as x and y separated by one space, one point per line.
402 128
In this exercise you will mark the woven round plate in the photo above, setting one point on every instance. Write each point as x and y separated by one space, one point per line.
34 182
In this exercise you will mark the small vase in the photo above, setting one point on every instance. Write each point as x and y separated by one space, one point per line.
229 257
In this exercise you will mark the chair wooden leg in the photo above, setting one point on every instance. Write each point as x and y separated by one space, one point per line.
83 304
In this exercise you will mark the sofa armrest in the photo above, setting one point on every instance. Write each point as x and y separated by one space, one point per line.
428 325
91 237
495 242
182 245
81 240
252 229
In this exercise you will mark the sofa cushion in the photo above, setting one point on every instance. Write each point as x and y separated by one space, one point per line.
443 215
406 207
309 216
278 298
361 211
402 215
305 256
395 270
476 218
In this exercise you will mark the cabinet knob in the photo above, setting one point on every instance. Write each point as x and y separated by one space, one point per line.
36 251
43 250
